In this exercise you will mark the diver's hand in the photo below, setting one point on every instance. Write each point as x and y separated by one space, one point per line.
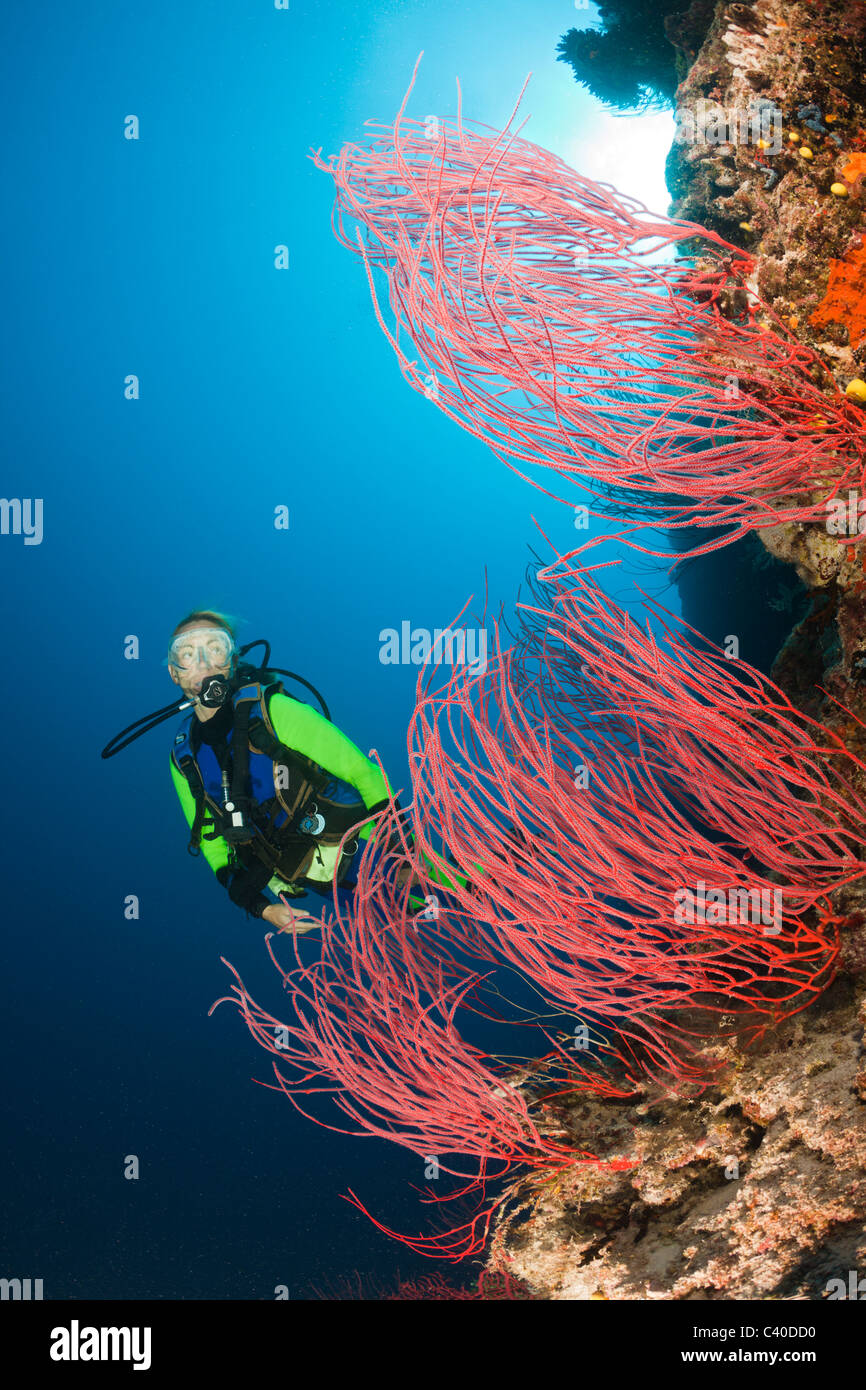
287 918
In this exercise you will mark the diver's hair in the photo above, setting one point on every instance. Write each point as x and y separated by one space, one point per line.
208 615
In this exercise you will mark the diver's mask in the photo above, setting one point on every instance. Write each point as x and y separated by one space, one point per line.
211 646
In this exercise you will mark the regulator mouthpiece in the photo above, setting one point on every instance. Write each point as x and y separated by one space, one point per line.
215 691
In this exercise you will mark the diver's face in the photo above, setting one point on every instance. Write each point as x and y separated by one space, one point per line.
198 651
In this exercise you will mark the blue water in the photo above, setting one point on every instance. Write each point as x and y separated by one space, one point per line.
258 388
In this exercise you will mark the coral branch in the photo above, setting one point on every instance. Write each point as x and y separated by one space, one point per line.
568 327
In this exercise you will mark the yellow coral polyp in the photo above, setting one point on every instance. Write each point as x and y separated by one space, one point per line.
856 389
794 138
839 190
805 152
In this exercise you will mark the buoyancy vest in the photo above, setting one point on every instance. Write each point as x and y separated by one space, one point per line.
292 804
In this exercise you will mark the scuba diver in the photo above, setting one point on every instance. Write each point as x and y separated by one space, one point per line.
268 785
270 766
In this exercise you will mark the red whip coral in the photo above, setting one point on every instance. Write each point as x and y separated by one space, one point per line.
370 1022
592 776
651 829
553 320
372 1026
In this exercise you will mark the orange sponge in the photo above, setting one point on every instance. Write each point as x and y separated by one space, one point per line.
855 167
845 300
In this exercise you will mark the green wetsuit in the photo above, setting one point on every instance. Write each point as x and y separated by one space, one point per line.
304 730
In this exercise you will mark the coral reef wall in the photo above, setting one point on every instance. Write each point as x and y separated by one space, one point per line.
755 1189
797 204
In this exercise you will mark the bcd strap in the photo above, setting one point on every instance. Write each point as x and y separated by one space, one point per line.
307 782
241 756
188 766
308 777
